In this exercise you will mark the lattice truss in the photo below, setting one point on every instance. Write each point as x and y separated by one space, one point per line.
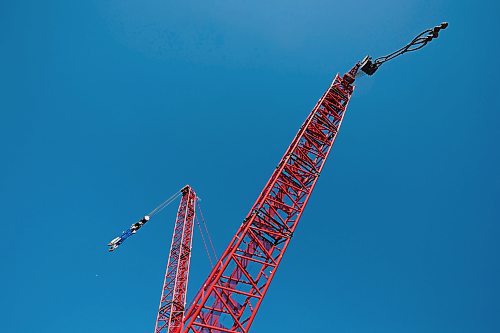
173 298
230 297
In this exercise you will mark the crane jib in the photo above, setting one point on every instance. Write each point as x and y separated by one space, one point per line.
232 294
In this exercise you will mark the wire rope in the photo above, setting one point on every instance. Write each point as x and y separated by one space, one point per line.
206 229
164 204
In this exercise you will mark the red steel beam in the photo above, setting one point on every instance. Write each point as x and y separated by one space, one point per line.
173 299
232 294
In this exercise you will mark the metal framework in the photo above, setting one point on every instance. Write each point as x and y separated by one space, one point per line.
173 299
231 296
229 299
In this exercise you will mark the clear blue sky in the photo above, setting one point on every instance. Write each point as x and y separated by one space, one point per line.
108 107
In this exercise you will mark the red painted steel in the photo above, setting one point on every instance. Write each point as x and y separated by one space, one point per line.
232 294
173 298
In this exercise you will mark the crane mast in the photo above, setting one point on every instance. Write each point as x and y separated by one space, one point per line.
173 297
232 294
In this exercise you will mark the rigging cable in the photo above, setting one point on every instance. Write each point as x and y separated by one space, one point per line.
369 66
117 241
206 230
164 204
204 242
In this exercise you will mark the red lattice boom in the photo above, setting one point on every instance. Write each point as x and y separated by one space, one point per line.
231 296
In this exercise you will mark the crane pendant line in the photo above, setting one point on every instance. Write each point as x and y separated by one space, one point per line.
231 296
173 299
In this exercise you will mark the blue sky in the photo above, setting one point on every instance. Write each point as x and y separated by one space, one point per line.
108 107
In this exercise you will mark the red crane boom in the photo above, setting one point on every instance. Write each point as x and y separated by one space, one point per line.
231 296
173 297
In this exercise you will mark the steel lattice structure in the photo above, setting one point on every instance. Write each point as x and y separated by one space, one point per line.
229 299
231 296
173 298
